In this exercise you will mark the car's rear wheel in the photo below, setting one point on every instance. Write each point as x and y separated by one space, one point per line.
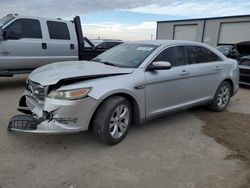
222 97
112 120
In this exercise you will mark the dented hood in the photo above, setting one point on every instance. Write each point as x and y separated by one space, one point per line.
53 73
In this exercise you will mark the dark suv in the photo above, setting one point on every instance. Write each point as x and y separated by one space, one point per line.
107 44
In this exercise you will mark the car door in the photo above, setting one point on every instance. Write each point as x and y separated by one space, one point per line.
205 71
22 48
168 90
61 45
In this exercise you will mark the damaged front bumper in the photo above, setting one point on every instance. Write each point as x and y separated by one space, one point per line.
53 116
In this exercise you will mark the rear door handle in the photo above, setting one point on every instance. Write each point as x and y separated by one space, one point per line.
44 46
218 68
184 73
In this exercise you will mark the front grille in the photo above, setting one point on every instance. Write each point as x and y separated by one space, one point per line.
244 79
245 72
244 75
36 89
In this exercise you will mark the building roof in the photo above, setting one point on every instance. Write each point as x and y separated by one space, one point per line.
200 19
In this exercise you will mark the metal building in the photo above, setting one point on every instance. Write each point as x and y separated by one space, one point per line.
213 31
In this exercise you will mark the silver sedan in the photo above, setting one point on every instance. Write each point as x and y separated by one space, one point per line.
129 84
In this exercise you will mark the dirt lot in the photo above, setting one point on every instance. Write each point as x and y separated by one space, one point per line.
233 132
191 149
231 128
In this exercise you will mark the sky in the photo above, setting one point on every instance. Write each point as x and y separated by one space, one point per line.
124 19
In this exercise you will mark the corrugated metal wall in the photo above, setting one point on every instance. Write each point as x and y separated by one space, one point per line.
212 30
165 30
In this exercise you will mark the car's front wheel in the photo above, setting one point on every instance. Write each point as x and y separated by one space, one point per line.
112 120
222 97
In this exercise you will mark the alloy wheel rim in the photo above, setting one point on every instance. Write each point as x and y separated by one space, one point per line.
119 121
223 97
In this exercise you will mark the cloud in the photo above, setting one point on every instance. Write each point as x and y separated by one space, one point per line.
66 8
191 9
117 30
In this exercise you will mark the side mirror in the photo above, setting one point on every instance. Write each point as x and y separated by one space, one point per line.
160 65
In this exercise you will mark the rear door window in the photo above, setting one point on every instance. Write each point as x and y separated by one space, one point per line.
174 55
24 28
198 54
58 30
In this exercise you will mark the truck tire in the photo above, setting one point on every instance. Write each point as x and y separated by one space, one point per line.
112 120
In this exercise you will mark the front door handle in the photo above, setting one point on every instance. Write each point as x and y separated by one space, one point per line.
44 46
72 46
184 73
218 68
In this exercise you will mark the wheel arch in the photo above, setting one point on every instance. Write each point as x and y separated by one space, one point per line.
136 118
230 81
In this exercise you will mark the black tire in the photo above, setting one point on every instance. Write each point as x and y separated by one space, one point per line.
214 105
102 118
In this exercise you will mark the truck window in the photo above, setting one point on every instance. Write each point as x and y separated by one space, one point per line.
58 30
24 28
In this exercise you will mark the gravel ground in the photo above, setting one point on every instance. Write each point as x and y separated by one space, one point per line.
179 151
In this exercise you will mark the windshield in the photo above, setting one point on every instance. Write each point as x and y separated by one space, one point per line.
5 19
126 55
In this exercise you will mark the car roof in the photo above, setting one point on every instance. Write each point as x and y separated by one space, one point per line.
106 40
166 42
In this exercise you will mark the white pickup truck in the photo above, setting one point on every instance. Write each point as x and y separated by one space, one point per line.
27 43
